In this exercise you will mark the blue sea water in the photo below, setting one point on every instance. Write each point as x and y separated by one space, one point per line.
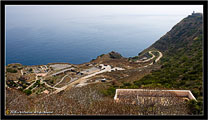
35 37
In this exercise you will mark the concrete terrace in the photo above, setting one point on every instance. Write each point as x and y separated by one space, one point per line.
60 66
62 71
153 93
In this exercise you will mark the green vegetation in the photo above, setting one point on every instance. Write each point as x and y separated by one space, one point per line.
19 68
92 60
181 35
11 83
109 92
30 70
135 58
102 55
37 83
115 55
179 68
150 55
27 92
23 79
11 70
181 64
195 107
182 69
40 90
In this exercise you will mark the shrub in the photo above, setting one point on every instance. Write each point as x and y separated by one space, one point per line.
126 84
102 55
30 69
195 107
109 92
115 55
11 70
27 92
135 57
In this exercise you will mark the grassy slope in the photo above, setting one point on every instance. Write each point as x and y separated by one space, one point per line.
182 61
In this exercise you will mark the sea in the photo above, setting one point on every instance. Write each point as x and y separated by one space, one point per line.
35 37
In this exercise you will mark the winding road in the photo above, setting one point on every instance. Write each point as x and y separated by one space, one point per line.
83 79
160 56
62 80
153 56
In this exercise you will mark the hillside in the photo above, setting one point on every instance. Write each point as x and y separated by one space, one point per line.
181 65
172 62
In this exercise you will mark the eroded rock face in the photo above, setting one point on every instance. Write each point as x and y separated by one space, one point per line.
115 55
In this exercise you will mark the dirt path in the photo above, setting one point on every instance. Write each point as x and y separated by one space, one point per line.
62 80
36 78
153 56
83 79
21 72
49 85
160 56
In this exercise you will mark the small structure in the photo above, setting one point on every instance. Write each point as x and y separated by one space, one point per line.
196 14
122 93
102 66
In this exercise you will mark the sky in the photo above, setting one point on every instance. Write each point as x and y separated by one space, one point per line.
94 10
42 14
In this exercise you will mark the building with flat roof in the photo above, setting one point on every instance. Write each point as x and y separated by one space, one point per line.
124 94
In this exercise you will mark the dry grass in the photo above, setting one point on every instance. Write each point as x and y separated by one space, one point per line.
88 101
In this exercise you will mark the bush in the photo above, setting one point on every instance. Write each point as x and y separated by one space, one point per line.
102 55
126 84
109 92
11 70
115 55
37 83
135 57
92 60
195 107
27 92
30 69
